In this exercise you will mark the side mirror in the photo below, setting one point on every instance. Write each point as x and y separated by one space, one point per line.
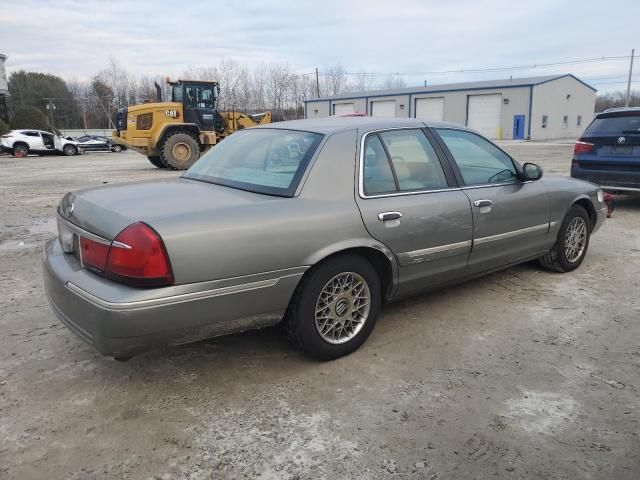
531 171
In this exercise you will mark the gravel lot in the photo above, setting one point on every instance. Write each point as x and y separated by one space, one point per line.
520 374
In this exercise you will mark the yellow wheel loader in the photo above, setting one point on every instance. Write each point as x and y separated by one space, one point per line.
174 134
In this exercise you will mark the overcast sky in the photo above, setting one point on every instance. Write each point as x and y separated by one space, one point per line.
75 38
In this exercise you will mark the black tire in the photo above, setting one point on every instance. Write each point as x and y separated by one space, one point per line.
70 150
156 161
180 142
117 148
300 321
556 259
20 149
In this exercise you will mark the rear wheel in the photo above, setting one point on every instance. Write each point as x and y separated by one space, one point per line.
573 241
117 148
180 151
20 150
69 150
335 308
156 161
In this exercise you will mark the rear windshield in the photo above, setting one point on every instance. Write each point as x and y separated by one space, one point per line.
623 124
270 161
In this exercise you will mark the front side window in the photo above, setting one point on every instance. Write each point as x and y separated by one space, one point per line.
479 161
269 161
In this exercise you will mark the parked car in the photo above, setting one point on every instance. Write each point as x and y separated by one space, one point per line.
317 222
96 143
608 152
23 142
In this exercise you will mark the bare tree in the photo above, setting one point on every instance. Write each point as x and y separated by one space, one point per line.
392 82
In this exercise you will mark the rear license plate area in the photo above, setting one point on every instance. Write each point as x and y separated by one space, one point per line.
626 150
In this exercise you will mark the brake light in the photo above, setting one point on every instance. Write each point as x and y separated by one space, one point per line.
139 258
94 254
582 147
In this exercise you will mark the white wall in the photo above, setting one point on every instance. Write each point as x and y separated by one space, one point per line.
551 99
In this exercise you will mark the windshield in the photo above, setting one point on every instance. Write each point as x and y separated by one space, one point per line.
626 124
199 96
269 161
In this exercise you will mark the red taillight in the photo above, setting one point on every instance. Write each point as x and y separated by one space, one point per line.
582 147
94 254
138 257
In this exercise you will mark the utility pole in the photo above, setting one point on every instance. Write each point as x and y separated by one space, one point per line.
317 84
626 103
425 83
51 107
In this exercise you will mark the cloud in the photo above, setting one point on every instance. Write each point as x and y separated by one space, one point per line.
75 38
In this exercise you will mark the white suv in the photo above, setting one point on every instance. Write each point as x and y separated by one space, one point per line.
23 142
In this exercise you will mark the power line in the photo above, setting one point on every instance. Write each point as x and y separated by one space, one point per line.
493 69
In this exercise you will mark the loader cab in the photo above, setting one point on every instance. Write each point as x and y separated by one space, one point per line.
199 101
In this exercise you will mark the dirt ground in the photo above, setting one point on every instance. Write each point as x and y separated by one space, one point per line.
520 374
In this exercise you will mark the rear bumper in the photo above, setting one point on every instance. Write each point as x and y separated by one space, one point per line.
610 179
121 321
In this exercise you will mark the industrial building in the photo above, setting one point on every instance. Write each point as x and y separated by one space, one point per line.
534 108
4 89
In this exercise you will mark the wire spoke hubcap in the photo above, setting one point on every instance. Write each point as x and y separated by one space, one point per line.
342 307
575 239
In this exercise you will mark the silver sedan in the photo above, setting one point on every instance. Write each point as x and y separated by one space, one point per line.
315 223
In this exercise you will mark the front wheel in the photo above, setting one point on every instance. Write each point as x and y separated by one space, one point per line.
180 151
335 308
573 241
117 148
69 150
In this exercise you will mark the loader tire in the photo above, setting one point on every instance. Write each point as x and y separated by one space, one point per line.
179 151
156 161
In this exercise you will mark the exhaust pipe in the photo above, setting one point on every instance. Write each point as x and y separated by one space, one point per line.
158 92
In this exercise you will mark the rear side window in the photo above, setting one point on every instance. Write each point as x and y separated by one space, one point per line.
401 161
378 177
622 124
414 160
479 161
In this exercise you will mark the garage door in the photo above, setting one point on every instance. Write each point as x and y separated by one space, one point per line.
430 108
383 108
484 114
344 108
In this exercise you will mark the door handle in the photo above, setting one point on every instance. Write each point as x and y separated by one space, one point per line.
482 203
384 216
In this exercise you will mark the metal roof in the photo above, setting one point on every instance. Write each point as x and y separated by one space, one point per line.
452 87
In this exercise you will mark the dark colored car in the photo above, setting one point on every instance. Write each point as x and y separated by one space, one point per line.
608 153
96 143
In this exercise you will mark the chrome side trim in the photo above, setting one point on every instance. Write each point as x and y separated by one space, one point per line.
513 233
171 300
422 255
82 232
553 225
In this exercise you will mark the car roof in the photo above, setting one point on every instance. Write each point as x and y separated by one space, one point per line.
620 110
335 124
